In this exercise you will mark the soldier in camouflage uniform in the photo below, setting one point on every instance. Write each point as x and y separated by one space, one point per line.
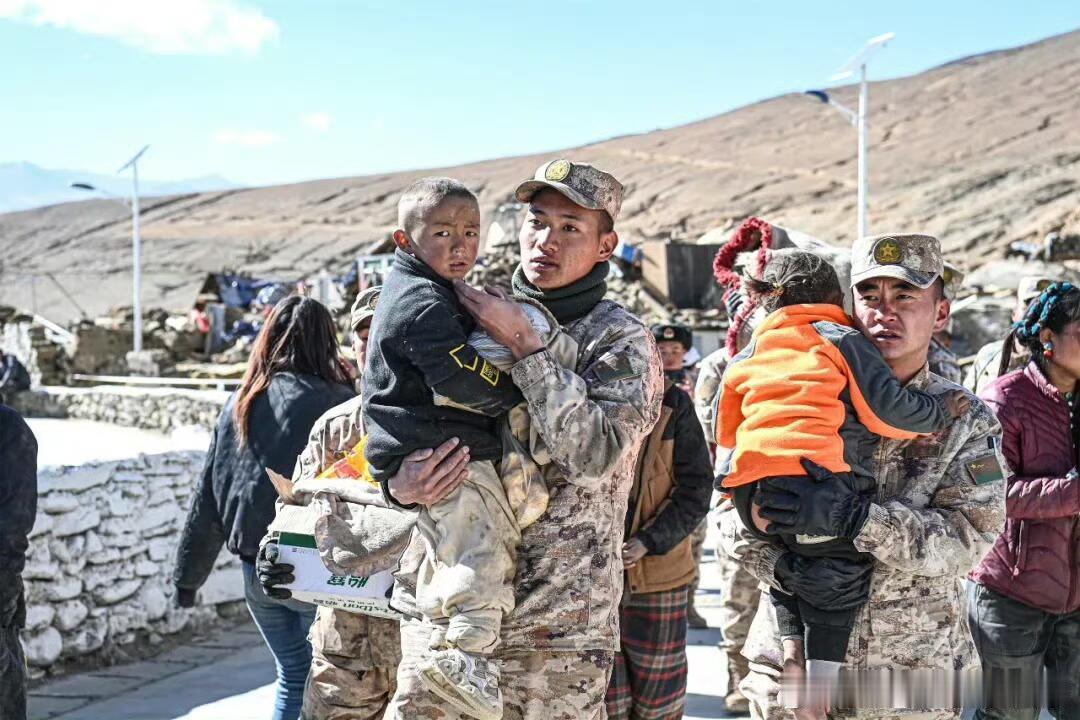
943 361
739 590
558 643
988 360
939 505
354 657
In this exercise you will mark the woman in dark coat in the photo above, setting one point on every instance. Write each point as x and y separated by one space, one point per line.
295 374
1024 603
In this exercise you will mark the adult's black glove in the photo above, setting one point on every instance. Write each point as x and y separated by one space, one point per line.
821 504
271 573
827 583
184 598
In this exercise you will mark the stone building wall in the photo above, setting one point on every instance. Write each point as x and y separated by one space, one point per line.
163 409
99 569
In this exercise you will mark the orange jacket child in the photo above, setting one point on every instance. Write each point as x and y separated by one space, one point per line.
810 385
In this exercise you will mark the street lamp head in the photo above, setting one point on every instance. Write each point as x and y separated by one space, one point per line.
819 94
84 186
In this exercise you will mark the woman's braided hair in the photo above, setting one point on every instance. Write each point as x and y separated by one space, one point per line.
1056 307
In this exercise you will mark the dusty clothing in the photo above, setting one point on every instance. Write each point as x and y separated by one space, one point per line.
536 684
18 508
419 346
353 666
707 389
943 362
464 583
670 497
809 385
985 368
354 657
1036 559
935 516
234 502
649 676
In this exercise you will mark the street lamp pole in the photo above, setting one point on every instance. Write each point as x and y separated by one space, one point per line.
136 248
860 120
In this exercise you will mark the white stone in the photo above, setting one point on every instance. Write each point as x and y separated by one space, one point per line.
153 599
160 496
89 637
40 571
120 506
145 568
59 502
75 522
167 514
225 585
73 479
161 548
39 616
43 648
64 589
67 549
43 525
70 614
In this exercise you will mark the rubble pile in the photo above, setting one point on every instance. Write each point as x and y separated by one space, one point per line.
41 352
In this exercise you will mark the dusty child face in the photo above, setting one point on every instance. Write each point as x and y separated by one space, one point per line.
447 239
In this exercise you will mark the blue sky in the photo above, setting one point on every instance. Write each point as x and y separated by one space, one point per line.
288 90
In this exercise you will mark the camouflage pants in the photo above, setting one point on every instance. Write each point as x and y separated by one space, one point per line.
739 594
12 676
697 549
353 666
470 542
536 685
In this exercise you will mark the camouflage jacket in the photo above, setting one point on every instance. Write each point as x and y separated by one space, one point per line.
707 388
569 572
348 640
940 505
944 363
985 368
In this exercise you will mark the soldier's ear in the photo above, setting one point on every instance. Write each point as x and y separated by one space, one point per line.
608 241
942 310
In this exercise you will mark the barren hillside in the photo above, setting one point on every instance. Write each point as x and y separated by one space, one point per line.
981 152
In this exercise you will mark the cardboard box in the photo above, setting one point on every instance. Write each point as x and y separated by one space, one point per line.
294 530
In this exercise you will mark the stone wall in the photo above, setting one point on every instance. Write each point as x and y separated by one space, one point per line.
99 570
164 409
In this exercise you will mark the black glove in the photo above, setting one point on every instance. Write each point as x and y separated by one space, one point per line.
827 583
821 504
184 598
271 573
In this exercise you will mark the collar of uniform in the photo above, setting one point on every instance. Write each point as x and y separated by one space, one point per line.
416 266
921 379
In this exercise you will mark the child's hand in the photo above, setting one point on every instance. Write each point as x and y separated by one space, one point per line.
958 402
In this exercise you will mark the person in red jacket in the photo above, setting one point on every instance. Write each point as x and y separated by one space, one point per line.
1024 603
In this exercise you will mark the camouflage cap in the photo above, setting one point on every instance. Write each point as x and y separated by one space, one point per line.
1031 286
363 308
913 258
953 278
583 184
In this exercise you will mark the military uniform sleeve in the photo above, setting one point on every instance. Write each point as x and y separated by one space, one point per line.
437 345
688 501
955 530
881 401
705 391
1033 498
757 556
590 421
316 455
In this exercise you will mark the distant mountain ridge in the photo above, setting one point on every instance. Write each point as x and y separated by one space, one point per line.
24 185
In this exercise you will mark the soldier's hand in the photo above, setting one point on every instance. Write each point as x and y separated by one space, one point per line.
503 318
427 476
271 573
957 402
821 504
632 551
827 583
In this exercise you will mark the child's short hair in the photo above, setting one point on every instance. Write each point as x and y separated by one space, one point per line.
424 195
795 277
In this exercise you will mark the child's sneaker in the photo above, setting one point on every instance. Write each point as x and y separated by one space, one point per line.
469 683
